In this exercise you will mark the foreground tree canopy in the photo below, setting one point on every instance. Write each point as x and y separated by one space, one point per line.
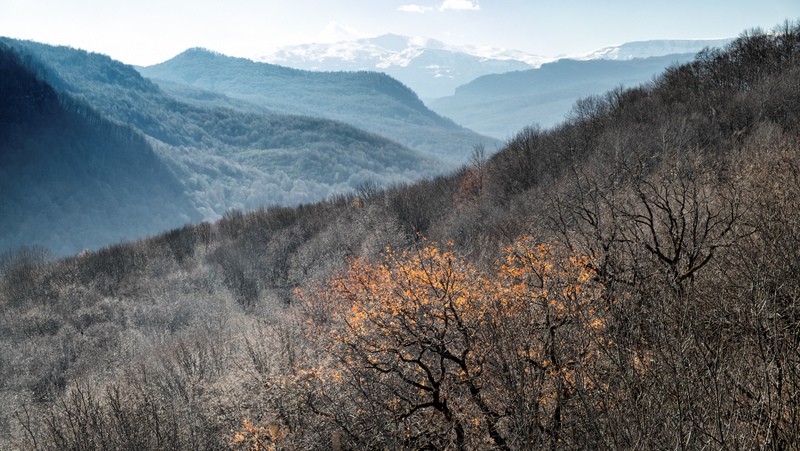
444 355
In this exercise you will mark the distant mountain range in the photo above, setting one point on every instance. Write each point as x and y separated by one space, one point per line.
371 101
434 69
430 67
92 152
110 143
499 105
648 49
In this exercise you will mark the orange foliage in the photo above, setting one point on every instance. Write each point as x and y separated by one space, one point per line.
552 296
408 297
255 438
442 333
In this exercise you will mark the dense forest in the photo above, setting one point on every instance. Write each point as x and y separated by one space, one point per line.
371 101
629 279
64 167
113 157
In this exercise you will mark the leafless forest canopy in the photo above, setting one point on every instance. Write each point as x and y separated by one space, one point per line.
629 279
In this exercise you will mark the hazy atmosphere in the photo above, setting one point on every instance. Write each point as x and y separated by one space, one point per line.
399 225
149 31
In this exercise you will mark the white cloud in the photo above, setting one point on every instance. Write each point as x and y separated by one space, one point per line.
414 8
464 5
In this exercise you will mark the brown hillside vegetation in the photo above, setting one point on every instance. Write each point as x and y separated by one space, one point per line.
627 280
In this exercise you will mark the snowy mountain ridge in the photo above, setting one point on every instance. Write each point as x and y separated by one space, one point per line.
389 50
431 68
647 49
434 69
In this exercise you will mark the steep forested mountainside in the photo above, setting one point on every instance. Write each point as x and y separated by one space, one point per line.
368 100
500 104
229 154
626 280
71 179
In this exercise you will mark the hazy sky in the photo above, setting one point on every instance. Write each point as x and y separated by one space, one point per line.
149 31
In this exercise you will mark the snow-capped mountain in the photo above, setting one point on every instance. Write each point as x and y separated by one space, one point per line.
434 69
431 68
647 49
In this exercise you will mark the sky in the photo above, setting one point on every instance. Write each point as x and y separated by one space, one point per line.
145 32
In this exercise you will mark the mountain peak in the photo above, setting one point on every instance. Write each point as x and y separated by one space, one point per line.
200 52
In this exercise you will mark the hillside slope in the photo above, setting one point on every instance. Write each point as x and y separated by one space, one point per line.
228 153
72 180
368 100
642 254
500 104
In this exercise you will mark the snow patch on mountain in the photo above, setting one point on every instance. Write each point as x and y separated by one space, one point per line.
646 49
431 68
435 69
390 50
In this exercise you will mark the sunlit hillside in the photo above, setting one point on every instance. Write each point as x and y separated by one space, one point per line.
627 279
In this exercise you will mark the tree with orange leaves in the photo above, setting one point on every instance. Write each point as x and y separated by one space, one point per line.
443 355
549 342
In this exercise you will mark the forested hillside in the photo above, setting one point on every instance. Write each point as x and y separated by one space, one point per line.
70 179
628 279
500 104
221 153
368 100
